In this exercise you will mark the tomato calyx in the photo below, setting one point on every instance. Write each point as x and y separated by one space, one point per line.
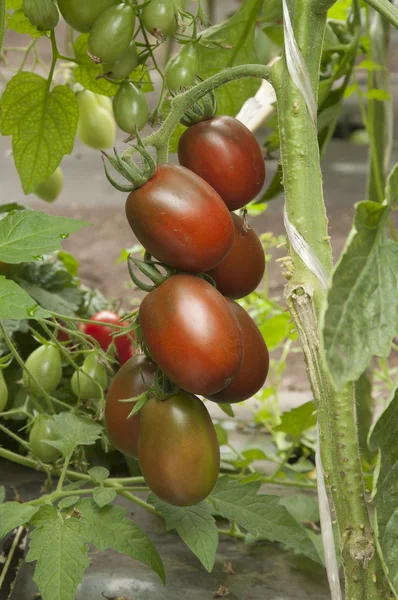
126 167
202 110
150 269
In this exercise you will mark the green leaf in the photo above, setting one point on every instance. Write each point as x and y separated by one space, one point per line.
386 9
363 402
302 508
361 316
66 302
103 496
16 21
297 420
15 303
383 438
227 409
14 514
68 501
195 525
98 474
2 21
380 95
46 513
70 263
2 493
26 235
73 431
42 124
61 552
261 515
87 71
340 10
222 435
108 527
276 329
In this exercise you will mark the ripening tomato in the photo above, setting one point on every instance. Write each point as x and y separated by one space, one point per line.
84 382
44 364
112 32
241 271
81 14
130 381
40 432
182 69
130 108
124 65
181 220
192 334
178 449
3 392
96 127
50 189
227 155
158 17
254 370
124 344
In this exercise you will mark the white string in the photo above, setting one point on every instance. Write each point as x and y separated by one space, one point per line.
299 73
296 65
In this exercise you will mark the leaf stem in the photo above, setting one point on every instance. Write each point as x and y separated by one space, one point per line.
386 9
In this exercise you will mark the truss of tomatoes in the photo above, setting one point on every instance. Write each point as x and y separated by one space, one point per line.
193 331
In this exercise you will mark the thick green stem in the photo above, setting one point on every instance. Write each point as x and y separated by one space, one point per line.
305 296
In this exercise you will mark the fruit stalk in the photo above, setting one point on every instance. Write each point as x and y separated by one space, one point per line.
305 296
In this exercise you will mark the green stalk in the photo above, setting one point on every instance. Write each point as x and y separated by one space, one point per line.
305 297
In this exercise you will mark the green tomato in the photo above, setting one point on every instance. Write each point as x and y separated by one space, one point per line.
112 33
81 14
130 107
96 127
45 366
159 18
104 102
40 432
43 14
125 64
3 392
50 189
183 68
82 382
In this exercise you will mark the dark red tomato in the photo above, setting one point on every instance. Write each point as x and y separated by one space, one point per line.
127 383
103 334
240 272
227 155
254 369
181 220
178 449
192 334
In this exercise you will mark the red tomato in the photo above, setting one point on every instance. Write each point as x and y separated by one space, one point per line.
192 334
227 155
241 271
103 334
254 369
181 220
127 383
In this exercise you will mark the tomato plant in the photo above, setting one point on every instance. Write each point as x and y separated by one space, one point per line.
192 334
40 432
50 189
82 15
181 70
132 380
96 126
112 32
124 344
90 380
227 155
178 449
130 108
180 220
3 392
45 370
124 65
158 17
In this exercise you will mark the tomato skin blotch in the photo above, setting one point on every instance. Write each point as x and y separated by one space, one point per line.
178 449
254 370
130 381
181 220
192 334
227 155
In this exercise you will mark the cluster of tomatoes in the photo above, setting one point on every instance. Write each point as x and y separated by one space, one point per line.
192 330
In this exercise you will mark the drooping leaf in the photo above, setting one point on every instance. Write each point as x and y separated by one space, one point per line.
195 525
297 420
60 548
361 316
66 302
26 235
42 123
14 514
109 527
103 496
15 303
263 516
72 430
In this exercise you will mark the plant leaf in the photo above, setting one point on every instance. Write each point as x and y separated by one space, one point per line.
68 501
299 419
15 303
66 302
14 514
73 431
103 496
195 525
61 552
261 515
42 124
98 474
25 235
108 527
